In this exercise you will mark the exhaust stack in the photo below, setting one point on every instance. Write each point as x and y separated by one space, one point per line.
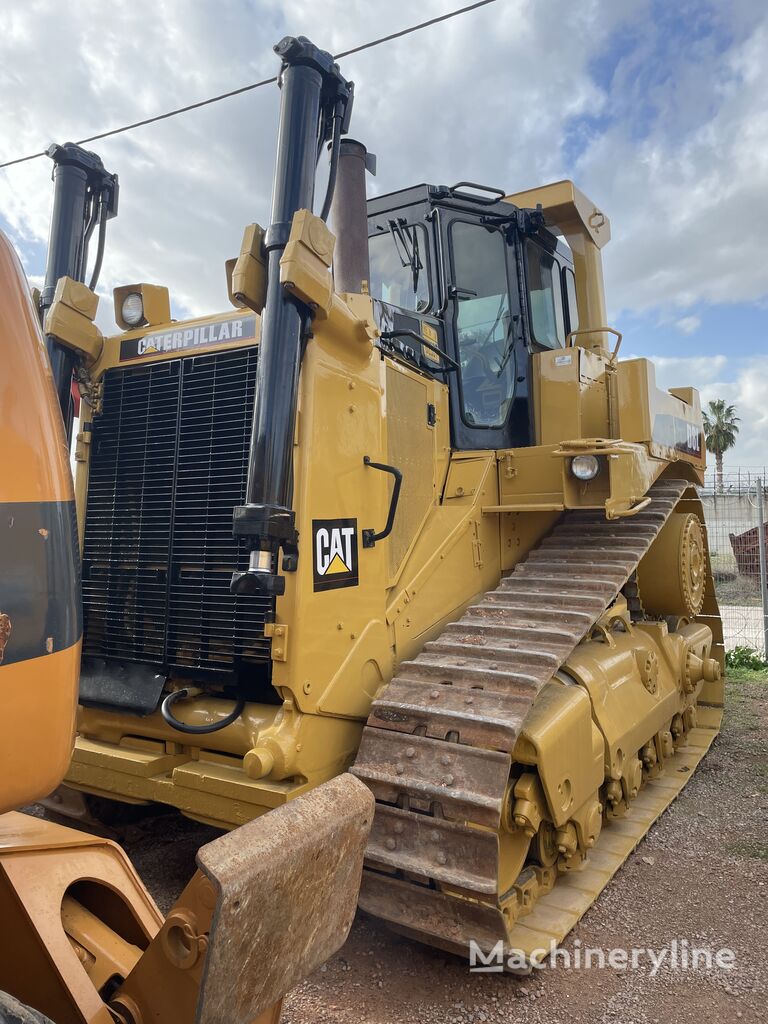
349 218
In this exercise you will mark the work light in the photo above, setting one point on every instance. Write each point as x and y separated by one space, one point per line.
584 467
133 309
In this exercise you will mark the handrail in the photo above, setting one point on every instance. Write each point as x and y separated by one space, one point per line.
596 330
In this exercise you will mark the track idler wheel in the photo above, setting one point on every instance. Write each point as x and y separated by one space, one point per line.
671 577
544 847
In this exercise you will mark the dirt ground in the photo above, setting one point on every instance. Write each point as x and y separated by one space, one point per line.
700 875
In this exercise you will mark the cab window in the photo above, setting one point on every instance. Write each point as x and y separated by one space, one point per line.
545 297
398 256
484 325
571 305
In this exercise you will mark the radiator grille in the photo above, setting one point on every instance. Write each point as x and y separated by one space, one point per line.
168 464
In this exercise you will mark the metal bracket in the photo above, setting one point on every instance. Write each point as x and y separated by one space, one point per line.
278 634
614 513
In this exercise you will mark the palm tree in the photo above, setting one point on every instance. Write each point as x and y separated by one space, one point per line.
720 430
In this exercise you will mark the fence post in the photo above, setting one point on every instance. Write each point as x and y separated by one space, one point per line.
763 580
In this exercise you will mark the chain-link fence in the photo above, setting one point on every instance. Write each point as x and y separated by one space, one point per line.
731 504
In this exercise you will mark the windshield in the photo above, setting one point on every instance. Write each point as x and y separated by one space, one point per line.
484 325
399 265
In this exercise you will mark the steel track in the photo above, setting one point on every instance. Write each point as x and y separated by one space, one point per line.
436 750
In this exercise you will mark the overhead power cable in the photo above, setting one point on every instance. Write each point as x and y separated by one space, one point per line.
257 85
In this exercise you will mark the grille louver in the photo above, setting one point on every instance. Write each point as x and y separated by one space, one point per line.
168 464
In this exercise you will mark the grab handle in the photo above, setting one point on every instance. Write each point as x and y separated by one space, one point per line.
370 536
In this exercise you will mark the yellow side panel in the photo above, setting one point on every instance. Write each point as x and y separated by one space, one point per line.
669 422
409 447
570 395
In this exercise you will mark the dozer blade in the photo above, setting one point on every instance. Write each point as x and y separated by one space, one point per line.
287 888
270 903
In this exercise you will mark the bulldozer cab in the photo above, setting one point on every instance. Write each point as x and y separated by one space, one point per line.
469 288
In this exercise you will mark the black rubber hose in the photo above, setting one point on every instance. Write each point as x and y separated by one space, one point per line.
335 148
100 249
197 730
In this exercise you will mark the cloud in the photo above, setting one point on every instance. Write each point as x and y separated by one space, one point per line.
747 392
487 97
661 121
189 184
695 371
686 196
688 324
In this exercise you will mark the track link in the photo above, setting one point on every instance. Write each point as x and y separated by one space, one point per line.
436 750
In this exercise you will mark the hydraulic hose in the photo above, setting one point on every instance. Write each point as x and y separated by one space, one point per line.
196 730
333 170
102 220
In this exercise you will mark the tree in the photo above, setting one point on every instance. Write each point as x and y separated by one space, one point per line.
720 430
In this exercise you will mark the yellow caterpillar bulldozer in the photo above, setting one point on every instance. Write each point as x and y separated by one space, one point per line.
403 511
81 941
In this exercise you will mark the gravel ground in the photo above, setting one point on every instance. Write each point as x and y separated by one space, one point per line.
700 875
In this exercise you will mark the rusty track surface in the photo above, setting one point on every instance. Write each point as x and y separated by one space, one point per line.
436 750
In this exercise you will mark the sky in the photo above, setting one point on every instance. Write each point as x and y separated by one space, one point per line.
656 110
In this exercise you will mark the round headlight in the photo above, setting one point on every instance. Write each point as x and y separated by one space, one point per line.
584 467
133 309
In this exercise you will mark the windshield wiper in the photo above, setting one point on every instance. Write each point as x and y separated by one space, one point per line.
407 246
509 347
416 265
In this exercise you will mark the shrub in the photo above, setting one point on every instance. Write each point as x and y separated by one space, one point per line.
745 657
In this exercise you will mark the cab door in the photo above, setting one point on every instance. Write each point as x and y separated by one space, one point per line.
484 320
